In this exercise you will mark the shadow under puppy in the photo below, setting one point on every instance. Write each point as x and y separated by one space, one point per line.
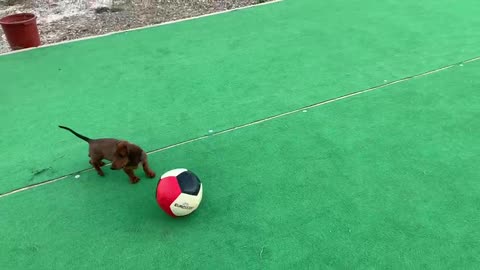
123 155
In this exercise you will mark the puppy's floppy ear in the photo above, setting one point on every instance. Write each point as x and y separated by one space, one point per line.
134 154
122 148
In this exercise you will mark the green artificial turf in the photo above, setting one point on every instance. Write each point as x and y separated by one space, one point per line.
384 180
163 85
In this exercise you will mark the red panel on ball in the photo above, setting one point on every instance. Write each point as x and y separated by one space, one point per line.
167 191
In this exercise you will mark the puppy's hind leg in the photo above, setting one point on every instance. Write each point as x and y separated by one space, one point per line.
101 163
97 162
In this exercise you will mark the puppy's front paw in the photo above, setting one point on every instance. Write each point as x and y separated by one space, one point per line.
151 174
134 180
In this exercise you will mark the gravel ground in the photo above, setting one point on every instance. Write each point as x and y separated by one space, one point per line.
60 20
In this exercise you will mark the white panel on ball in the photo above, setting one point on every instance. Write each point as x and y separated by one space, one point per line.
174 172
186 203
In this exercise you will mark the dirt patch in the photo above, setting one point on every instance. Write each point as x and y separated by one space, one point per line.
60 20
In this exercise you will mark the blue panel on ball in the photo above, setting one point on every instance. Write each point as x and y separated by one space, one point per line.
189 183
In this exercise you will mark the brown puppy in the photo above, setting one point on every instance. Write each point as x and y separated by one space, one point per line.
122 154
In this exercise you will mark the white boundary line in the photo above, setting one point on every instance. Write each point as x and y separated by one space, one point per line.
33 186
472 60
259 121
142 27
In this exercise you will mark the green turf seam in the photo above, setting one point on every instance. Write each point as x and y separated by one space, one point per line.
280 115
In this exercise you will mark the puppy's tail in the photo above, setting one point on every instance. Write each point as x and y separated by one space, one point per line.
76 134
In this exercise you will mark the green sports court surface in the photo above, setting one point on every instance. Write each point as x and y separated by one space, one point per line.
322 139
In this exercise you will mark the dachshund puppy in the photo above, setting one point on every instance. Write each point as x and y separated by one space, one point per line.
123 155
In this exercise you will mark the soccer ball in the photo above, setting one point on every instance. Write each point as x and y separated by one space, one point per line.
179 192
